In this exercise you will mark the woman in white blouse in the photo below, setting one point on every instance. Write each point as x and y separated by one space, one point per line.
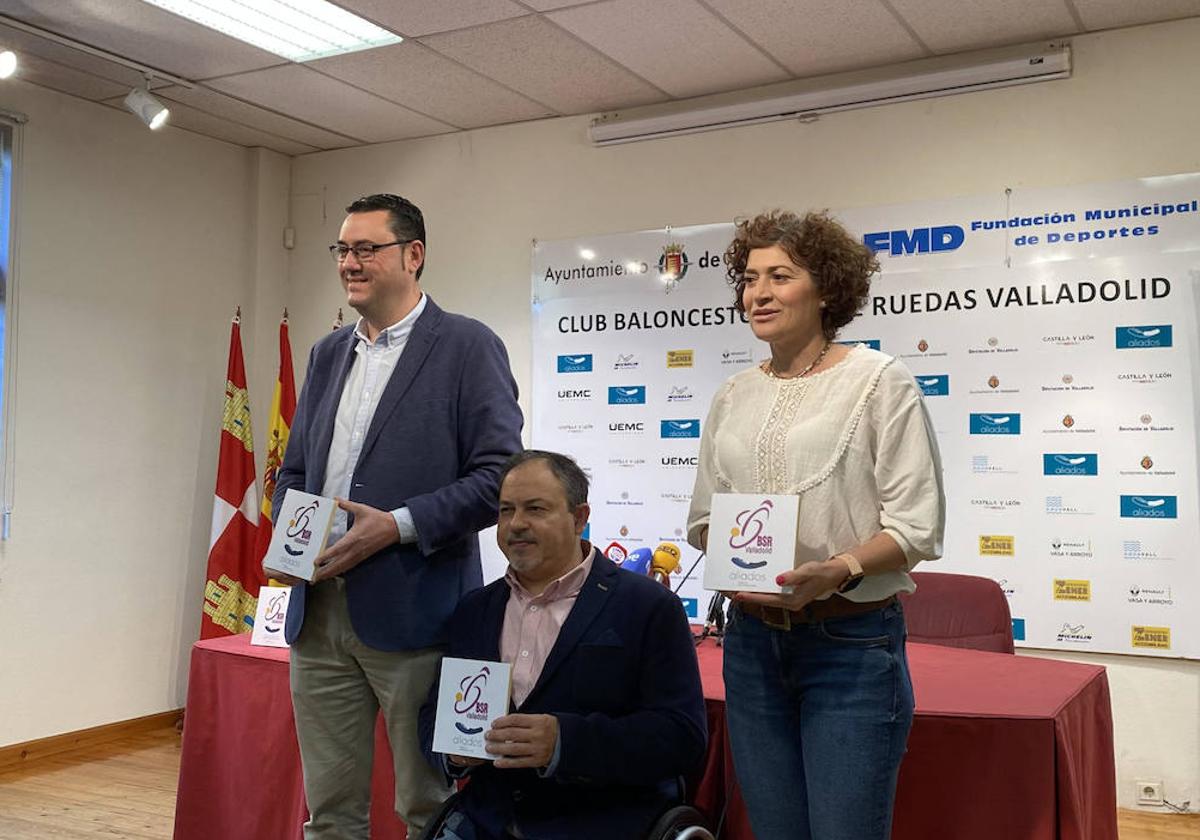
819 702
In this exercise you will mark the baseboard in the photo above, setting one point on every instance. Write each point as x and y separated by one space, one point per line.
22 755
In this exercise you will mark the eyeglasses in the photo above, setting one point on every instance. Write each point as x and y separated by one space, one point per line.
363 252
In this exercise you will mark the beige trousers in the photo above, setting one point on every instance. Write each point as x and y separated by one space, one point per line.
338 687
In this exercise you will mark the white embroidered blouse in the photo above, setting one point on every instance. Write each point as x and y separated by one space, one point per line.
854 442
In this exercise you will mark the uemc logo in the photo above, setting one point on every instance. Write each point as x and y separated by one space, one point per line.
575 364
1153 335
679 429
935 386
1149 507
922 240
633 395
995 424
1063 463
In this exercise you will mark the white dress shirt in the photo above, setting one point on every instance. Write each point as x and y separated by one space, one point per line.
369 374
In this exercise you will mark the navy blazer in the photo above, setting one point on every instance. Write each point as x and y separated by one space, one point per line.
623 681
446 422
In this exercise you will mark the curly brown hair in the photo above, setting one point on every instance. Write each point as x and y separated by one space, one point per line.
840 265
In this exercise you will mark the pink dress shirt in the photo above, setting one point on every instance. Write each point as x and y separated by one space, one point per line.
532 623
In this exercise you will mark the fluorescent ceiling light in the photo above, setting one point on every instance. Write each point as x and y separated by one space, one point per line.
8 63
809 98
299 30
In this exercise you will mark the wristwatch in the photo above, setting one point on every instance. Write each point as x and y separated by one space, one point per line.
856 571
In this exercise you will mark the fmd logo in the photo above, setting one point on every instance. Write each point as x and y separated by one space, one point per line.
922 240
632 395
995 424
1154 335
935 386
575 364
679 429
1149 507
1064 463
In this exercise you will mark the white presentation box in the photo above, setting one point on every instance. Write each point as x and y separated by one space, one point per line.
472 694
301 529
270 616
751 541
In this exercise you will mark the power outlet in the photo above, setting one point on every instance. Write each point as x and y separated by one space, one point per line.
1150 792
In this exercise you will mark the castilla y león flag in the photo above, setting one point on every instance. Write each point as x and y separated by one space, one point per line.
283 409
234 576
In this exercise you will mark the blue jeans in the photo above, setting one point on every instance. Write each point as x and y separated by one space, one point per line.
818 719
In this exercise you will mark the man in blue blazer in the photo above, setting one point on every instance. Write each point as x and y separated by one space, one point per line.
406 418
609 711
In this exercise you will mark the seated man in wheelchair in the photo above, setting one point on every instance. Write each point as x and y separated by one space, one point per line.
607 712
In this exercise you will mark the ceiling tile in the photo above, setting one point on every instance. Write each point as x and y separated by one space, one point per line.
814 37
948 26
677 45
144 33
1110 14
226 107
51 74
307 95
183 117
540 60
26 44
420 78
413 18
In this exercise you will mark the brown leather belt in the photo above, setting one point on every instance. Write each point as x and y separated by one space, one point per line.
834 606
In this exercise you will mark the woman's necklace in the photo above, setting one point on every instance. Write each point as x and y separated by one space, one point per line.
769 366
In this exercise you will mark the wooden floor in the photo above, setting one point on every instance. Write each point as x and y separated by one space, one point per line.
126 789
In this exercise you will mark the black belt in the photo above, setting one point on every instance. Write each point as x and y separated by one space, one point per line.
834 606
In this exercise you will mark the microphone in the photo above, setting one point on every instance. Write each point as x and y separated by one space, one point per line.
665 562
638 561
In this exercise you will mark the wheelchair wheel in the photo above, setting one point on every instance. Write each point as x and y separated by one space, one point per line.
682 822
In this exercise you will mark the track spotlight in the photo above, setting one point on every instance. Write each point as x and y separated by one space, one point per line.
8 63
148 109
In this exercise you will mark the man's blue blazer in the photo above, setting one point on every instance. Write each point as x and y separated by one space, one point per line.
447 421
623 681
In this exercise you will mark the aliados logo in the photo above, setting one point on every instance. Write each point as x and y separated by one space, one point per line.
1070 463
934 386
575 364
995 424
1150 637
468 701
1149 507
1153 335
631 395
673 264
679 429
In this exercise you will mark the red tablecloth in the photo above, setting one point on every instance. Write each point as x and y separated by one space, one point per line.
1004 747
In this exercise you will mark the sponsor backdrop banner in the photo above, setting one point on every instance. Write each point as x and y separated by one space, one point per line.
1053 332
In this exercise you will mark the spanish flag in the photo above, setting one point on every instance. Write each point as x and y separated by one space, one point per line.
234 575
283 409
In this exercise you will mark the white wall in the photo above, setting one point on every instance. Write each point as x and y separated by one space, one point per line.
1127 112
134 249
